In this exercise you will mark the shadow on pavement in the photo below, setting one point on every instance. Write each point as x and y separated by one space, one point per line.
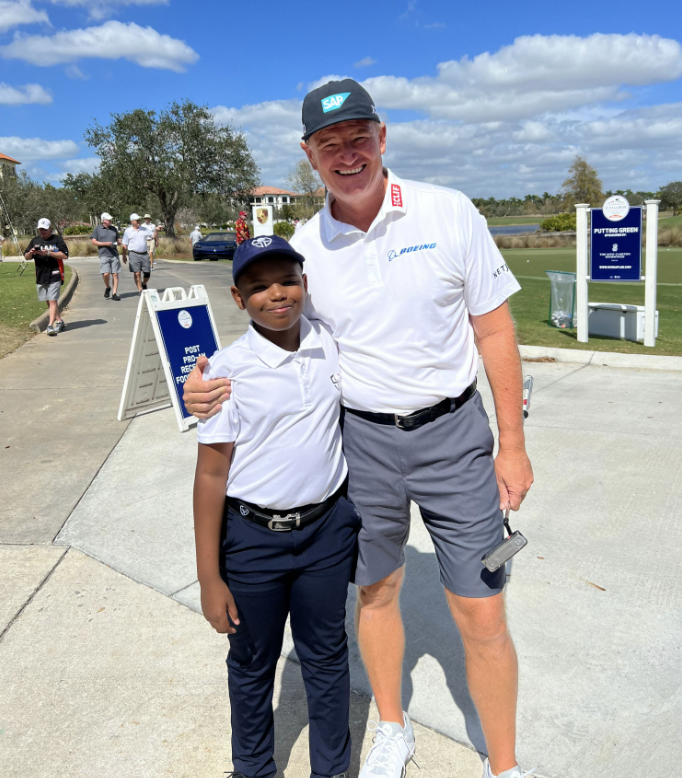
79 325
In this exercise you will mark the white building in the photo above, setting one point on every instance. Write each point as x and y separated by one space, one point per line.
271 195
8 166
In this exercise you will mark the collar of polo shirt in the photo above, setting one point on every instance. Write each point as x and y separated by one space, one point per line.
394 201
274 356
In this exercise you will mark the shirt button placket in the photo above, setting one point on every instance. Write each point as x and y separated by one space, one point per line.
372 264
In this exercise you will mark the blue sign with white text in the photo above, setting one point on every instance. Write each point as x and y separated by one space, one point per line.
187 335
616 247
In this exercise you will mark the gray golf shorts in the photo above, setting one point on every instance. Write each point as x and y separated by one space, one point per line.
446 468
139 263
109 265
48 291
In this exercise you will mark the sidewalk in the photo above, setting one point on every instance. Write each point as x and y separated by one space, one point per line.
107 662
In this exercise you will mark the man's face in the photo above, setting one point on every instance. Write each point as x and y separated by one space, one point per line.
106 223
348 156
45 234
272 291
148 221
135 223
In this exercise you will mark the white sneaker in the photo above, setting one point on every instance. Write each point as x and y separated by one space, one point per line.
515 772
392 750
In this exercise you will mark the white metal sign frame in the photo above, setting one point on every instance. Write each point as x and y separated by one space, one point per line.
149 382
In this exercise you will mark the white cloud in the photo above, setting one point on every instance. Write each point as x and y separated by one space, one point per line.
13 13
511 122
82 165
32 149
24 95
111 40
365 62
100 9
533 75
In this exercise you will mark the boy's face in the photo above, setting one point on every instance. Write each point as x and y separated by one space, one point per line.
272 291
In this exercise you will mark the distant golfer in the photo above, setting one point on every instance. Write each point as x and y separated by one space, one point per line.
152 238
195 235
242 228
105 237
135 247
48 251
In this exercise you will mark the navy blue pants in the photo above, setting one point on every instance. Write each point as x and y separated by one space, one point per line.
304 573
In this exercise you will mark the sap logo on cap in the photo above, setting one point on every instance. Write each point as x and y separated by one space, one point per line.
333 102
185 319
261 243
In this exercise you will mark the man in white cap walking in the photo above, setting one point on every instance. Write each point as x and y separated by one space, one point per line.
135 249
105 237
195 235
48 251
152 238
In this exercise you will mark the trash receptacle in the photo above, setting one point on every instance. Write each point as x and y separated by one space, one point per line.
561 299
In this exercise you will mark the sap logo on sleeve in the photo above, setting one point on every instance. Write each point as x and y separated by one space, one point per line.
333 102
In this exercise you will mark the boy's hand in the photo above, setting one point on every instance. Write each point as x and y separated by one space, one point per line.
203 398
216 602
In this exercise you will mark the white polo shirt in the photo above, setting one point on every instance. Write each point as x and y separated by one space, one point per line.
136 240
283 416
150 228
397 298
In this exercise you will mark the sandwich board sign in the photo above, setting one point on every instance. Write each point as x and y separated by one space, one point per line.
171 332
616 241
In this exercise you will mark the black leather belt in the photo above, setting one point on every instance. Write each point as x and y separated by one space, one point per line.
419 418
284 520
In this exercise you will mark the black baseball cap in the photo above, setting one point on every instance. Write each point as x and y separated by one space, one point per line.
251 251
334 102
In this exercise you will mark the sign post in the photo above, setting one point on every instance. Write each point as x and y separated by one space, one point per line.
263 223
170 334
651 272
581 279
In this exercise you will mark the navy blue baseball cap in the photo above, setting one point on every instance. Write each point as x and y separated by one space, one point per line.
251 251
334 102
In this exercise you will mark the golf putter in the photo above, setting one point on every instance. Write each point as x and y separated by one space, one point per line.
515 541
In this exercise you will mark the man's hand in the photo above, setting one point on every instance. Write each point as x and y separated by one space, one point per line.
514 477
203 399
216 602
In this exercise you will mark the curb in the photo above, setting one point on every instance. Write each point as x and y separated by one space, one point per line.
601 358
40 324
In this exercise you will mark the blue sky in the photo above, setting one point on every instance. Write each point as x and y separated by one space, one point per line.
475 96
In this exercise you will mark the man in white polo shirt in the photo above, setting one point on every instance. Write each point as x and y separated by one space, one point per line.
135 249
409 281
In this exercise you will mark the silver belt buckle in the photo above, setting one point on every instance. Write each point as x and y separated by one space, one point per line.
277 522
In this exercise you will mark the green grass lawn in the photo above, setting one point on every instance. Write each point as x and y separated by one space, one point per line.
670 221
530 306
19 304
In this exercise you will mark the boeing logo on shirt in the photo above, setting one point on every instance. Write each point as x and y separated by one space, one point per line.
393 253
502 269
333 102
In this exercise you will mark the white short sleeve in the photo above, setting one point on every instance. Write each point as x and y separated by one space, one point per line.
126 237
489 281
224 426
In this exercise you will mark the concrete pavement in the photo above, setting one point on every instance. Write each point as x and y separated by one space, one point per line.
594 600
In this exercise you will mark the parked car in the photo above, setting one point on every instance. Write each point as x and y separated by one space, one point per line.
216 245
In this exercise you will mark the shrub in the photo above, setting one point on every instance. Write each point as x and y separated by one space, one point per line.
78 229
564 222
284 230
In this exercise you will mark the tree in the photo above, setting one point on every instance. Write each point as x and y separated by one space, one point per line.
176 156
27 201
583 184
304 181
671 196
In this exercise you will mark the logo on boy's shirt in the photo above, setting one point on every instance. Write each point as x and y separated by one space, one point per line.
393 253
336 380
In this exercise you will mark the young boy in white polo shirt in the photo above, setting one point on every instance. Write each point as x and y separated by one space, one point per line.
283 541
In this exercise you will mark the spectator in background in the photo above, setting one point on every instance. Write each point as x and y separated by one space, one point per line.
105 237
297 225
195 235
152 239
135 247
242 228
49 251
